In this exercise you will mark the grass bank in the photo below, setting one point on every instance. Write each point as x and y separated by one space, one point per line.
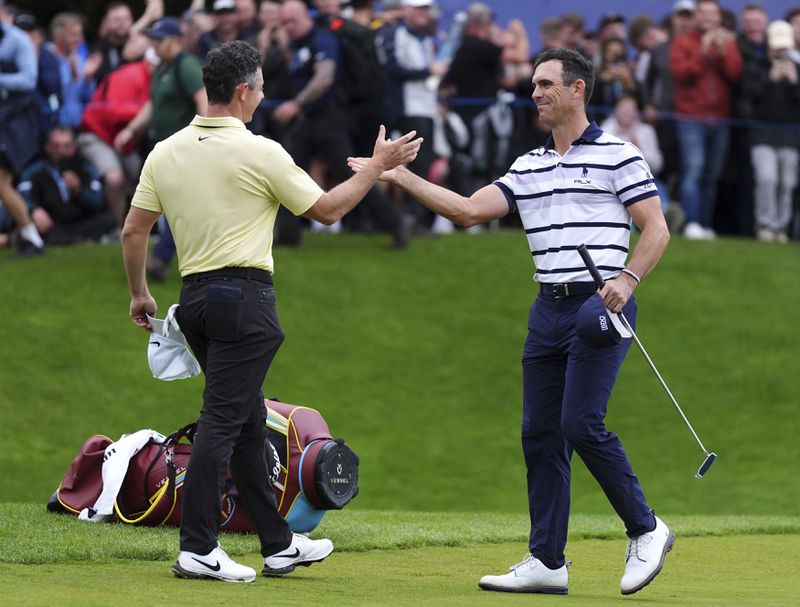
413 357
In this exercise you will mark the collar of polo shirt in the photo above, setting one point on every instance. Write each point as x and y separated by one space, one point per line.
217 122
591 133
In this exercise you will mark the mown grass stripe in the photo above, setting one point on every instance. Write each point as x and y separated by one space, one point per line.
29 534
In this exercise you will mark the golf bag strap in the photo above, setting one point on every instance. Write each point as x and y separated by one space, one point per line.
162 505
187 431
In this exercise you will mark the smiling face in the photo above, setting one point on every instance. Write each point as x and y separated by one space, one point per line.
552 97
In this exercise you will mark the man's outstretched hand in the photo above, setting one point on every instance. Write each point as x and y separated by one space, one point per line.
387 154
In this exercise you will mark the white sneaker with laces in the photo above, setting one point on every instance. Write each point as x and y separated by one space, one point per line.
302 551
215 565
530 575
645 556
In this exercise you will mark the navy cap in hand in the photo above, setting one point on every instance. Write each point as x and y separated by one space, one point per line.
598 327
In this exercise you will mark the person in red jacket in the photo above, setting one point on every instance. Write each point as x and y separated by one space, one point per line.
118 98
706 64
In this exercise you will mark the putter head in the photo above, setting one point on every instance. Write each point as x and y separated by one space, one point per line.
710 458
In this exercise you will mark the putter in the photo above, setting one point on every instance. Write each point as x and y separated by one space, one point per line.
598 280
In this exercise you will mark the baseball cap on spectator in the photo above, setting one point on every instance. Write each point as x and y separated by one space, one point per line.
610 18
683 6
780 35
418 3
223 6
26 21
167 26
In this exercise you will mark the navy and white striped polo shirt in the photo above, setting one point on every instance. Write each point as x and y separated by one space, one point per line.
579 198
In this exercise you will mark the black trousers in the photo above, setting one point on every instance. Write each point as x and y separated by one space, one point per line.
232 327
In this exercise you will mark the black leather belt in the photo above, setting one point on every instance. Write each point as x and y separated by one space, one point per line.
560 290
256 274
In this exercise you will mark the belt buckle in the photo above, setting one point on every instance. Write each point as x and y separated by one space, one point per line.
560 290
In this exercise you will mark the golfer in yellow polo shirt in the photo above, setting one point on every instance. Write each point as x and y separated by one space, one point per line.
220 187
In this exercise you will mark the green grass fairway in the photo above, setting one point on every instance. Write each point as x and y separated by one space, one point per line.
394 559
30 535
698 571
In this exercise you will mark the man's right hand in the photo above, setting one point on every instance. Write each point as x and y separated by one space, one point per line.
389 154
140 308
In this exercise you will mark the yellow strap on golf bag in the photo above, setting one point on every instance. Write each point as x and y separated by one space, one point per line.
161 507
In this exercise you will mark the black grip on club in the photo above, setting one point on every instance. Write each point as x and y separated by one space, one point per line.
587 259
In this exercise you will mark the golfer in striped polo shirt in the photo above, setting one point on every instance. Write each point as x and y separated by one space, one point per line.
582 186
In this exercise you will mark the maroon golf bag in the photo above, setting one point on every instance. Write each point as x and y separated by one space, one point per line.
310 473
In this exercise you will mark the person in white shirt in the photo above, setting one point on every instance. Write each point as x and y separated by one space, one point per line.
582 187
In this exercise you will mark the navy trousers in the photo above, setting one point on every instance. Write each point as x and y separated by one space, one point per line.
566 388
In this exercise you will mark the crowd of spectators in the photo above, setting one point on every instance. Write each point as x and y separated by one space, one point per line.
707 95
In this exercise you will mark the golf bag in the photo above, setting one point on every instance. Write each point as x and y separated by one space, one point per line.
310 473
317 473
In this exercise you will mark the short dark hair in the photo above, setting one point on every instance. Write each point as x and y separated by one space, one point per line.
574 66
227 66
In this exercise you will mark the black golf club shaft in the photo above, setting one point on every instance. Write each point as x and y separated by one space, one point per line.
599 282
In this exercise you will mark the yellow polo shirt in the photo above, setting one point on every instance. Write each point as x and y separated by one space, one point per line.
219 187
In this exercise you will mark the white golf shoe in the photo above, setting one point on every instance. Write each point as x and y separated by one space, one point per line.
530 575
214 565
302 551
645 556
